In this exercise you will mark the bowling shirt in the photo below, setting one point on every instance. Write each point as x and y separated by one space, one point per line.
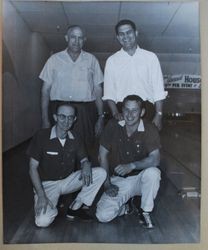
55 161
124 149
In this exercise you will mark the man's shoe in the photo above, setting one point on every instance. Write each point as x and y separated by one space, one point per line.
145 220
78 214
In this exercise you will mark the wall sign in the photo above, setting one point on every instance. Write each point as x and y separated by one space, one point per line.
182 81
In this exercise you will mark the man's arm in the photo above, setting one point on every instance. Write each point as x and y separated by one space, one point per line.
45 98
99 105
160 94
152 160
43 201
157 120
110 189
114 110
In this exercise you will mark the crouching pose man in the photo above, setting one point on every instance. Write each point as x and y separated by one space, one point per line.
129 152
54 153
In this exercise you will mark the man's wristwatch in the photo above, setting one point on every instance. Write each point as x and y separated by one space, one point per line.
84 160
101 115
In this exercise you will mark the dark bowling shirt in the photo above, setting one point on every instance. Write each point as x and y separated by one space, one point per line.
55 161
123 149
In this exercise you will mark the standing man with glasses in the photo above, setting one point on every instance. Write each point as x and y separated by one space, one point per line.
53 155
74 75
133 70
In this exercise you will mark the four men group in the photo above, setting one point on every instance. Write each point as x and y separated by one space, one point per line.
61 156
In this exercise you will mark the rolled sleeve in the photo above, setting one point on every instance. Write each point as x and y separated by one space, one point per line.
109 82
98 74
157 81
153 139
106 137
80 150
47 72
35 146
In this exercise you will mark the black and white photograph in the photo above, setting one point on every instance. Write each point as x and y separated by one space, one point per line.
101 122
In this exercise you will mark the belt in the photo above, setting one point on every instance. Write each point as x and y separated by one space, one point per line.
72 102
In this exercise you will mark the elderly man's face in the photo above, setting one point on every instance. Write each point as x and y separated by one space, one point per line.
132 112
127 37
76 39
65 117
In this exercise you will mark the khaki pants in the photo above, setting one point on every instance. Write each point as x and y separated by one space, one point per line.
146 184
54 189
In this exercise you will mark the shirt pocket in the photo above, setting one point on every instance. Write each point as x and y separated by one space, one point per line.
51 153
86 74
50 158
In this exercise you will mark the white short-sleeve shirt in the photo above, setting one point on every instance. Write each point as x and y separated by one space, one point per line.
139 74
72 81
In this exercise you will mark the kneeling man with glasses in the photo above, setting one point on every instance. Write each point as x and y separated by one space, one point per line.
54 155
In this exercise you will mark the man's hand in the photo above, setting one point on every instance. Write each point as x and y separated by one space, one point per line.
42 204
157 120
111 190
124 169
118 116
99 126
86 173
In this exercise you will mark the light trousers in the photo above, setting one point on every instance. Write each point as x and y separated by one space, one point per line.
54 189
145 184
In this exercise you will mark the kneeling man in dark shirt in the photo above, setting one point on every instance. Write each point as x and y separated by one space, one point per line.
54 154
129 152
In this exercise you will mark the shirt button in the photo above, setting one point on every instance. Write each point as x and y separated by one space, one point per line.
62 163
127 153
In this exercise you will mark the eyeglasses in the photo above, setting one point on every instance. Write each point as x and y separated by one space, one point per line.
63 117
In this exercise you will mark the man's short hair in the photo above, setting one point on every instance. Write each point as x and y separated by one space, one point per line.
135 98
64 103
124 22
75 26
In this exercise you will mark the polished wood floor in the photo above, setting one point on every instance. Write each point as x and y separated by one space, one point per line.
177 218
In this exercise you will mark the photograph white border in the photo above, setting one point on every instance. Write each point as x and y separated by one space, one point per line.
203 245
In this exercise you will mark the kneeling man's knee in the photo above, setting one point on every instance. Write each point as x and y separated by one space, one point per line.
100 172
152 173
43 221
104 217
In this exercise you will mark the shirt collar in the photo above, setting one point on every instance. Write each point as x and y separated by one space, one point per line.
54 135
137 49
140 127
82 51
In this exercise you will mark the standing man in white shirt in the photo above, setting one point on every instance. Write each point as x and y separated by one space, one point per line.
74 75
133 70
